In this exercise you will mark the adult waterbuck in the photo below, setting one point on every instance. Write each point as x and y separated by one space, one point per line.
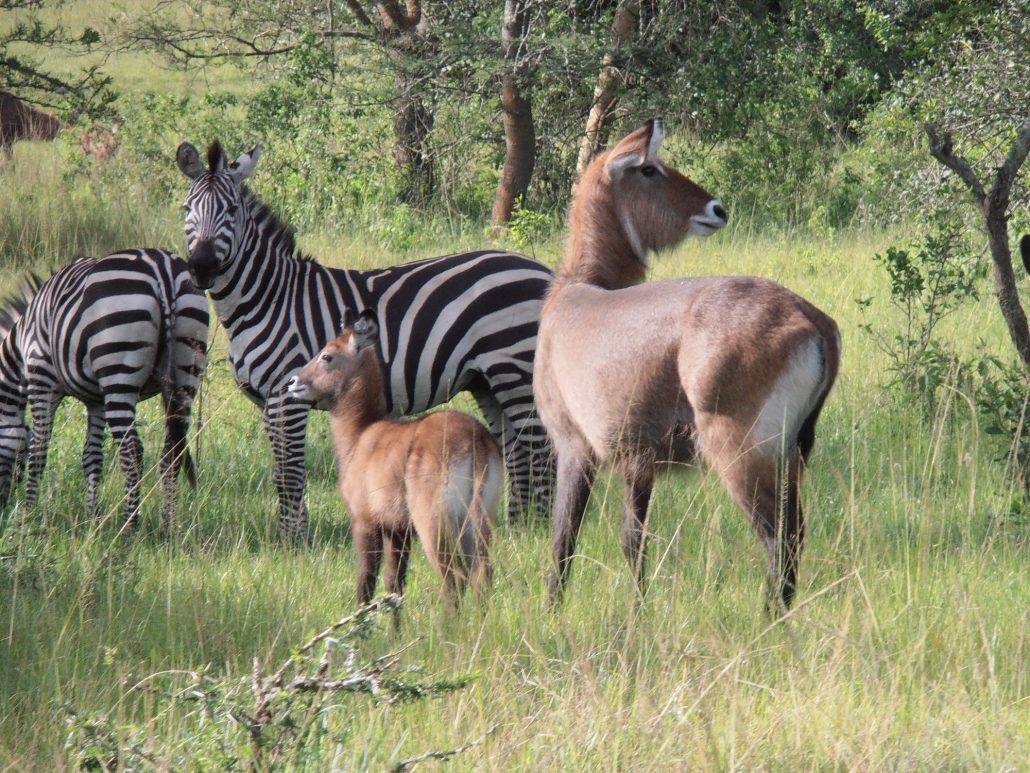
731 369
439 476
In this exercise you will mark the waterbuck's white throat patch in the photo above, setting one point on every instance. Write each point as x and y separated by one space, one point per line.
643 254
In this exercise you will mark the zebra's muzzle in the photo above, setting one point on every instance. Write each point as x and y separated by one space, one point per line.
203 265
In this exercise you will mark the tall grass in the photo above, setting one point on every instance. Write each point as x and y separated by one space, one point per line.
907 647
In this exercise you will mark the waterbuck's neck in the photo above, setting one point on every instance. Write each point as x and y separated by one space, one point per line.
603 247
358 407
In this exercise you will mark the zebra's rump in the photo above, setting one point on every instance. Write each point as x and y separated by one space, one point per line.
116 323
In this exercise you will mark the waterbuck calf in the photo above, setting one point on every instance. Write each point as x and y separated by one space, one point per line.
733 369
440 475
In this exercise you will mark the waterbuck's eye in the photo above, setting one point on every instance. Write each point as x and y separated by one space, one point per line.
648 170
326 357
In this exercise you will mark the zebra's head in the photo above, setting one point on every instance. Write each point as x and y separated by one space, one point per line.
215 208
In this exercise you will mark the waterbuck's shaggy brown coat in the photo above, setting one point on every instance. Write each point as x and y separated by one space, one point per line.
440 475
734 369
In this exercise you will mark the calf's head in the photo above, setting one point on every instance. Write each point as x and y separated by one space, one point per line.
342 362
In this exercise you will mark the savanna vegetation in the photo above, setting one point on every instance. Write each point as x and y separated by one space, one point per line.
870 156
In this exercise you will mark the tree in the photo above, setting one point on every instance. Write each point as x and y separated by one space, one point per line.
272 31
609 83
519 131
993 205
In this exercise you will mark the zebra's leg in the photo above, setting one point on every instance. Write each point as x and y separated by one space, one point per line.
531 466
516 456
43 406
286 422
93 456
177 419
121 418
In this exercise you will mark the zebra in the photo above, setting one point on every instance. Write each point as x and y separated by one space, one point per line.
110 332
462 322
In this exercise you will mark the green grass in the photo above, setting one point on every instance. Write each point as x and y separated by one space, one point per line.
907 648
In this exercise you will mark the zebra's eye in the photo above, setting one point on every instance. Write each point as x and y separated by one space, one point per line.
231 211
648 170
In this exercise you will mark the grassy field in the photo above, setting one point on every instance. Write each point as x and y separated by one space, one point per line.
907 649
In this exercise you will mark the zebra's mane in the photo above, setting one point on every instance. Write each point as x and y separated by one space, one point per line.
14 305
275 226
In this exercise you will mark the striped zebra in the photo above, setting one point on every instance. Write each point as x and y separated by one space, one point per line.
110 332
465 322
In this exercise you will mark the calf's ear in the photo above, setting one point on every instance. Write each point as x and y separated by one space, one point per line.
366 329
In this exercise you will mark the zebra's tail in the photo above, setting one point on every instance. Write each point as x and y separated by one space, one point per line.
14 305
174 427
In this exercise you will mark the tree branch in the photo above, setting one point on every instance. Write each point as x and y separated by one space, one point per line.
941 147
1010 168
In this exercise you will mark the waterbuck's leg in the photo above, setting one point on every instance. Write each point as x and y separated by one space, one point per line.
398 552
120 412
286 423
368 545
753 478
575 475
93 456
43 405
634 538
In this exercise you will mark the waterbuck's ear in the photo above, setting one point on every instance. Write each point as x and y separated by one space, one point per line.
243 167
656 135
366 329
189 161
636 148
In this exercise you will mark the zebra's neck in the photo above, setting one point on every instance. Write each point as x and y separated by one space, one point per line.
267 268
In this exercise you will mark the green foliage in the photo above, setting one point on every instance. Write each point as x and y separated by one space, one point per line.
928 282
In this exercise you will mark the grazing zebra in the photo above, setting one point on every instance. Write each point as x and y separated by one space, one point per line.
110 332
465 322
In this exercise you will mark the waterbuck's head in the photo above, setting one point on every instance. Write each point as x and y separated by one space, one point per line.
341 363
215 209
628 204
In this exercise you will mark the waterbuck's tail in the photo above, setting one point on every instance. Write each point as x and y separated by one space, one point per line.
473 493
1024 249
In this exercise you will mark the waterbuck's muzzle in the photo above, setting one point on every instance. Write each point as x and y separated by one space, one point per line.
203 265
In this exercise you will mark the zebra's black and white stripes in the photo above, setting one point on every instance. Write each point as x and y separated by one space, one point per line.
110 332
450 324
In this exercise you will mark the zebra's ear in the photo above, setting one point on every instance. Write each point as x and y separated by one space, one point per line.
189 161
243 167
366 329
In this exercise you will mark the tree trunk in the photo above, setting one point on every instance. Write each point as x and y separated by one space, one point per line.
519 130
413 122
609 84
412 125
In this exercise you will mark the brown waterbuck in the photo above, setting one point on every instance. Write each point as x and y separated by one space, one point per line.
440 475
733 370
